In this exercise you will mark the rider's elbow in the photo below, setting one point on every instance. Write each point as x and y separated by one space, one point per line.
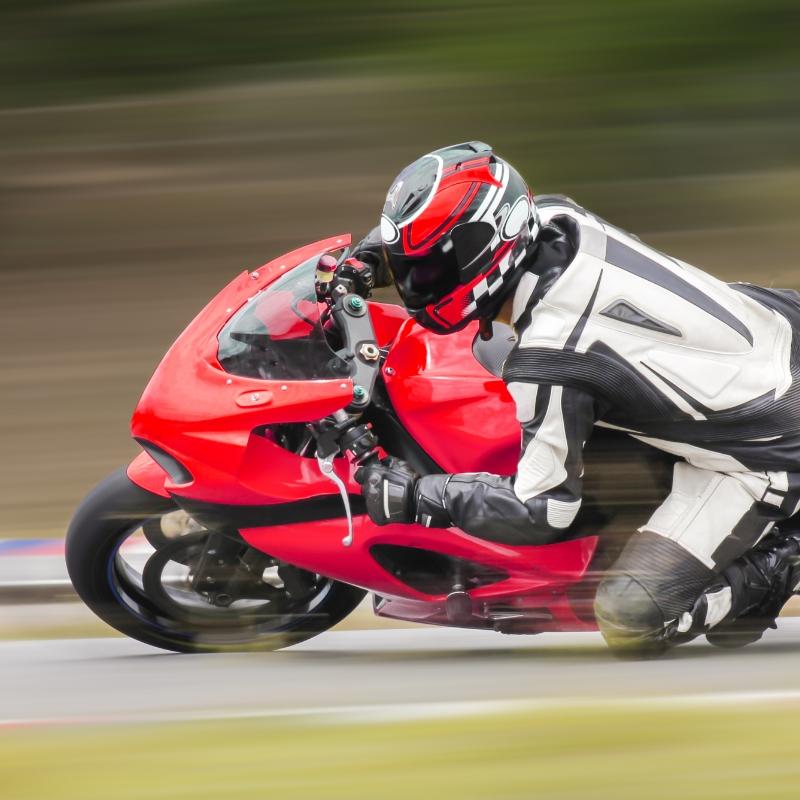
561 513
552 519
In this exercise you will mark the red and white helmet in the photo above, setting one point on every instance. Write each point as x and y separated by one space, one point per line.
455 229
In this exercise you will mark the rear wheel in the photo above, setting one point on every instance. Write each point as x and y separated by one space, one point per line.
150 571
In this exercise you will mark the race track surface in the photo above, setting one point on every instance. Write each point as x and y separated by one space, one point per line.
97 680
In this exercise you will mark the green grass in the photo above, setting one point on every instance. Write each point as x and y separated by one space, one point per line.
598 753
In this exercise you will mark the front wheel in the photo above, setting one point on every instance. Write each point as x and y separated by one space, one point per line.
150 571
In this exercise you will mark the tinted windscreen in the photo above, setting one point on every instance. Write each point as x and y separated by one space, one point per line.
278 334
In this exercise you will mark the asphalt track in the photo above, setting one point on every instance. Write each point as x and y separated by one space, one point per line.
385 673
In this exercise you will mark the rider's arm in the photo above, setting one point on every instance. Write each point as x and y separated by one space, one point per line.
540 502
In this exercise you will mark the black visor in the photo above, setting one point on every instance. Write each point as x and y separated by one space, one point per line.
422 280
457 259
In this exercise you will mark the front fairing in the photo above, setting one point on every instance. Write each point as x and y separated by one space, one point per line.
212 421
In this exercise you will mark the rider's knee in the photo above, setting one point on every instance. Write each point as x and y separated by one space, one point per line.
630 620
652 584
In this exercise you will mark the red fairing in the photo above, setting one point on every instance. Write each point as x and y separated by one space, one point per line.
436 385
144 472
534 573
217 425
205 417
387 320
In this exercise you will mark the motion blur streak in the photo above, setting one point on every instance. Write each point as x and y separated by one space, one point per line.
151 149
625 754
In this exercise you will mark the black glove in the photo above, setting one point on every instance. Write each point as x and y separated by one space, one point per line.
388 488
370 251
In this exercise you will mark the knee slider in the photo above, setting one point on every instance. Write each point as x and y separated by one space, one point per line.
625 611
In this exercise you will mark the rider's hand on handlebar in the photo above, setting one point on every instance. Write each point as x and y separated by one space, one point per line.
370 251
388 488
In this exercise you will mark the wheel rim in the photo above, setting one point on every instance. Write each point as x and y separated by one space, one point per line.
154 576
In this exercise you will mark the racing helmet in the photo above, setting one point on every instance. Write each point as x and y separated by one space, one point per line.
455 229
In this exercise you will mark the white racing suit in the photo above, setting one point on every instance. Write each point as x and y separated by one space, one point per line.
611 332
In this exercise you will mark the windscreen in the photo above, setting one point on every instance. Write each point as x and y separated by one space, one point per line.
278 334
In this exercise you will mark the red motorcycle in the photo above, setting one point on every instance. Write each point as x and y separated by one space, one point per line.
240 524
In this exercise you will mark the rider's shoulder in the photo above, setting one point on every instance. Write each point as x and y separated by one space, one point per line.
550 200
557 207
551 205
562 212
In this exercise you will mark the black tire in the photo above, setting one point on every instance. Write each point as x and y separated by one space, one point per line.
106 518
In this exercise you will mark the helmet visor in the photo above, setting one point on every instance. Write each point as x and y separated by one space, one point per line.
425 279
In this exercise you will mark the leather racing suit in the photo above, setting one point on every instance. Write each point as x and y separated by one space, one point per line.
611 332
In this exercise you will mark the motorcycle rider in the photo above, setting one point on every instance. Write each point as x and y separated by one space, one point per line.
609 332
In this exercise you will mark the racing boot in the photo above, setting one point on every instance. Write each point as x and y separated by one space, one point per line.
761 582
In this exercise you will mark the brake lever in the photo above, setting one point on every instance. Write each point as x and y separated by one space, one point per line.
326 468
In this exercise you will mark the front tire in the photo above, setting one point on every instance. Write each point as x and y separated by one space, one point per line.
161 603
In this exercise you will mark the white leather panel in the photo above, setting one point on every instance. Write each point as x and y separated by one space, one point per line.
710 362
562 513
541 466
701 511
704 376
524 396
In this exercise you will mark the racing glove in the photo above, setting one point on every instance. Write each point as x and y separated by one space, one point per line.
370 251
388 488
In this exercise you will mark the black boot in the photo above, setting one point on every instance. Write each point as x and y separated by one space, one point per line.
761 582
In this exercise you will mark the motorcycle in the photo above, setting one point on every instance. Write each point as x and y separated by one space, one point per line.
240 524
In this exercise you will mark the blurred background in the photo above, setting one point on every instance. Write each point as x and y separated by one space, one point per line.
152 149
